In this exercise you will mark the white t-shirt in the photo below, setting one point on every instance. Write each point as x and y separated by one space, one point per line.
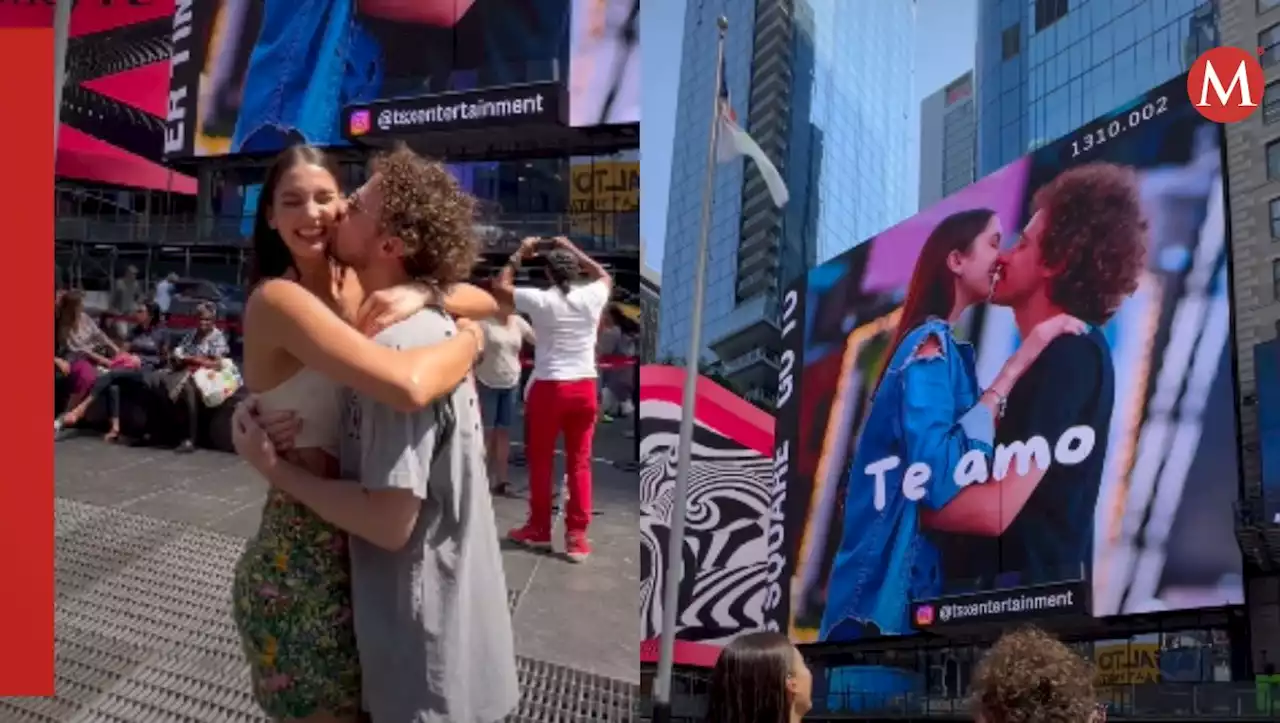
164 295
566 326
499 367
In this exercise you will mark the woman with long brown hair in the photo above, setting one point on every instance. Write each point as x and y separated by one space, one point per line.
927 413
760 678
307 336
80 348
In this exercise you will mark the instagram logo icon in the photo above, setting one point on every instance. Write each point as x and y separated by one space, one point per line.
360 122
924 615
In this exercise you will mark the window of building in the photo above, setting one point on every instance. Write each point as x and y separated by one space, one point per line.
1271 103
1273 160
1275 279
1049 12
1269 44
1011 41
1275 219
1265 5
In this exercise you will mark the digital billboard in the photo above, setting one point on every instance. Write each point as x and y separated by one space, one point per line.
1018 403
252 77
1266 370
722 591
604 62
114 101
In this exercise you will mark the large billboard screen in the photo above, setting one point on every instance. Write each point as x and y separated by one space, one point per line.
1019 403
722 591
252 77
604 62
114 101
1266 370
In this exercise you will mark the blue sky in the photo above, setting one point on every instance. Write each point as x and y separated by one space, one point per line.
945 38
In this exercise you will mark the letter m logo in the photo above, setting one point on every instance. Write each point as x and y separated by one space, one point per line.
1212 80
1224 84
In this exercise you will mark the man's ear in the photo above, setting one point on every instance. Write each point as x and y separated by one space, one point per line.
393 246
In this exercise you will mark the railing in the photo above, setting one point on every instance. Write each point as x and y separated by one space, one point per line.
498 232
743 361
1212 701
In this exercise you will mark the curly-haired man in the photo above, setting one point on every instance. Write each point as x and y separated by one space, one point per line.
431 621
1080 254
1029 677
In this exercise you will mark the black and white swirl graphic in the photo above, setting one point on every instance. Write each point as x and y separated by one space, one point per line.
722 590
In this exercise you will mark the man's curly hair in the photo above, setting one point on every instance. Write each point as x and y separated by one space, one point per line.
423 206
1029 677
1095 236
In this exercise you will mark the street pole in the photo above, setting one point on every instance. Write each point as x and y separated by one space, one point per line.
680 495
61 31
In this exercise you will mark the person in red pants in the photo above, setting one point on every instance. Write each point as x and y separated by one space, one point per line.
563 397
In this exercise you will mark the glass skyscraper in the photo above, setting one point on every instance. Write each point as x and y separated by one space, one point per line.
826 88
1046 67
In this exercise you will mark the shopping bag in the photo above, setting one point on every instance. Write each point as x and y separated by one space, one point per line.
217 385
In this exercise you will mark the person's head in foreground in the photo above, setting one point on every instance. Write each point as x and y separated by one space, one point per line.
1084 247
1029 677
410 219
760 678
298 211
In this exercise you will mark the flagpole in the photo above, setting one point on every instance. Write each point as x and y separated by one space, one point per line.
679 503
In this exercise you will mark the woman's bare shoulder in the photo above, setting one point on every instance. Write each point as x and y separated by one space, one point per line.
279 294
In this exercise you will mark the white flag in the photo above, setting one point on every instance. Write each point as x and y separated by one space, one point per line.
733 143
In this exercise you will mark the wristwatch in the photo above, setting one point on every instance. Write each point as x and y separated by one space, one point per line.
515 260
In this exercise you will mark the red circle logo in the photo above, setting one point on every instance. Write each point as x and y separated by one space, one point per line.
1226 84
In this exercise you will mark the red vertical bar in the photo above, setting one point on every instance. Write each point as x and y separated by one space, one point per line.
26 487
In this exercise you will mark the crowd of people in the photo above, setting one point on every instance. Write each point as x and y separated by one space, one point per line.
1026 677
135 360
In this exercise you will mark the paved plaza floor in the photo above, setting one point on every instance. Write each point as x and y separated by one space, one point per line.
146 542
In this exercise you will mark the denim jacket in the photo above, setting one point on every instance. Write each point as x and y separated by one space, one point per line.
925 410
311 58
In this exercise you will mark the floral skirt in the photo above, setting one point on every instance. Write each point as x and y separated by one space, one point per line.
292 606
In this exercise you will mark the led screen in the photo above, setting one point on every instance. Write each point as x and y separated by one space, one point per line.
253 77
722 589
954 451
604 63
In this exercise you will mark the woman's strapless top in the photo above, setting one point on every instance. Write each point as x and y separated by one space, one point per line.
318 403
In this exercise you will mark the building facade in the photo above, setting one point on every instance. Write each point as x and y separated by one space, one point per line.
1045 67
825 87
1253 195
948 140
650 298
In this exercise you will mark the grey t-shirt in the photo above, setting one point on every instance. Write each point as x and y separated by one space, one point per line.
431 619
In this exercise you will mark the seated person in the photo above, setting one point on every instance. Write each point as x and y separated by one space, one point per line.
145 351
204 347
80 348
149 341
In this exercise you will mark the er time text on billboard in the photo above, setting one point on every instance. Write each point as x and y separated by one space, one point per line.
1026 387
